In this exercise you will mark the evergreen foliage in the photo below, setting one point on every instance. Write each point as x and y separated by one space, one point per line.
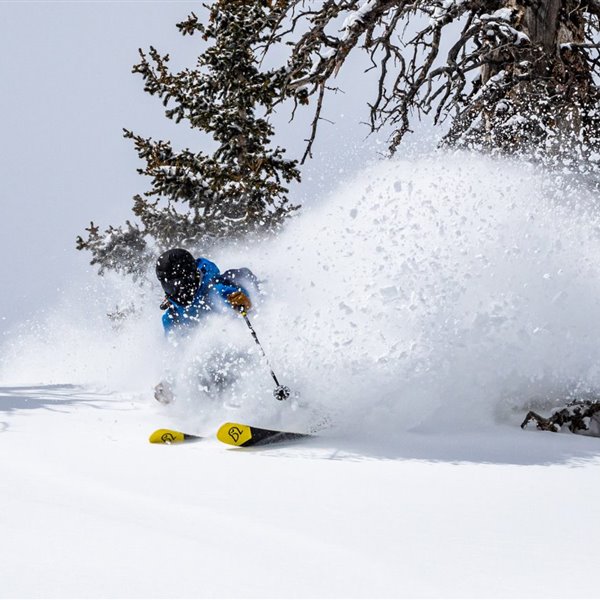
196 199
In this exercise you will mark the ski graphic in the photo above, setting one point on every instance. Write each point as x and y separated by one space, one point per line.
170 436
237 434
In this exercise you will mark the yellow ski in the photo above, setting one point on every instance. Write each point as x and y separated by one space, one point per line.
170 436
237 434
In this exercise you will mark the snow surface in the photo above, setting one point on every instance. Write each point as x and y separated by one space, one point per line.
422 308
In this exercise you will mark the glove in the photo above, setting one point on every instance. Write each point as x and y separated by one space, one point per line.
240 301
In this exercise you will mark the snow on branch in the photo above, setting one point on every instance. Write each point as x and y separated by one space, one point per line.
418 74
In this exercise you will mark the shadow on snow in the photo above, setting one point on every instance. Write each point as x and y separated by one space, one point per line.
496 445
501 444
49 397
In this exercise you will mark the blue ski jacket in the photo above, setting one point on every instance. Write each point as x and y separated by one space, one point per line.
211 295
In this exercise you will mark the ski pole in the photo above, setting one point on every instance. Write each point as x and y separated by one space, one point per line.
281 392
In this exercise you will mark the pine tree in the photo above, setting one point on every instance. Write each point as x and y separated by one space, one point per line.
197 200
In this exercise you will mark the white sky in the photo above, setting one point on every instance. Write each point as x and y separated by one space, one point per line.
67 93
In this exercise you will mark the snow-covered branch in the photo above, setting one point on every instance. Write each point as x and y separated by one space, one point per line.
452 63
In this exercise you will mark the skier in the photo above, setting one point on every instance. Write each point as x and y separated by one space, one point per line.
194 288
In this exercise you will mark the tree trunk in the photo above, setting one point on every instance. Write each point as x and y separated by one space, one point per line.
541 24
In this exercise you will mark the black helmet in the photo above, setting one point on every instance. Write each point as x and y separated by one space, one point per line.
178 274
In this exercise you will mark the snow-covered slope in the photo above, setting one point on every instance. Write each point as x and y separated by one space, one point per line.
422 308
90 509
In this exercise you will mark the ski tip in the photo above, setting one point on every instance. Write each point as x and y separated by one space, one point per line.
170 436
234 434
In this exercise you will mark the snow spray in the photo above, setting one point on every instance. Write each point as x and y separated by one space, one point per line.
446 292
450 291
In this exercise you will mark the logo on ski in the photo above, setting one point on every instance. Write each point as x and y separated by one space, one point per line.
235 433
170 436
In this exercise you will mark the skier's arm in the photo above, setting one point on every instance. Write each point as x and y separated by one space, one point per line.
168 322
171 320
